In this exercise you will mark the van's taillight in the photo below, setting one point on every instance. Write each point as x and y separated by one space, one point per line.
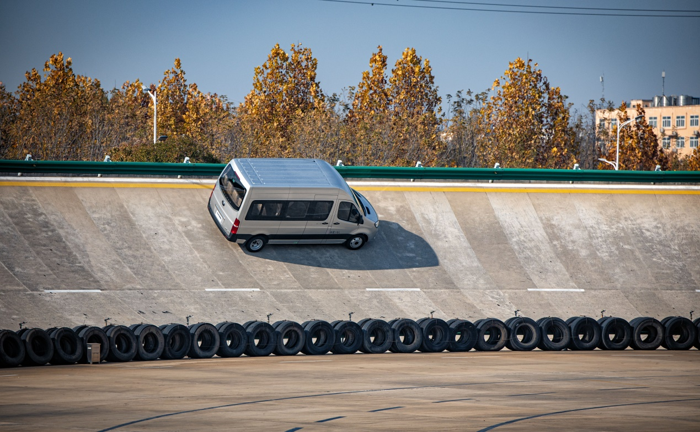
234 228
212 192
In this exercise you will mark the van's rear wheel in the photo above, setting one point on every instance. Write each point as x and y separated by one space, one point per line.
256 244
356 241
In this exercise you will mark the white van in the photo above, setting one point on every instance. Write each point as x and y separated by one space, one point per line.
289 201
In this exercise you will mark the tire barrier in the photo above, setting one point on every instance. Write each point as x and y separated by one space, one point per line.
150 341
261 338
554 334
523 334
67 347
680 333
585 333
89 334
407 336
290 338
319 337
176 341
118 343
204 340
463 335
615 333
348 337
233 339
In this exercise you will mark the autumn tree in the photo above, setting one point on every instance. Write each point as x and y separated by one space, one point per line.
460 132
8 106
525 124
639 146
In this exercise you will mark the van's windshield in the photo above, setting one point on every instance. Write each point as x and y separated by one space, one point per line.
232 189
359 201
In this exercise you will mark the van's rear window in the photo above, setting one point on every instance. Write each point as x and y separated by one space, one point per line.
232 189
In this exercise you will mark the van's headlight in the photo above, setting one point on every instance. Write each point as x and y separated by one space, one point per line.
376 224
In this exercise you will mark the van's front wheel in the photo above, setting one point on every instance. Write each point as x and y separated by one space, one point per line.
256 244
356 241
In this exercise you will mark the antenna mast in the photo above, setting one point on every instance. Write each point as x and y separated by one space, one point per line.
663 83
602 86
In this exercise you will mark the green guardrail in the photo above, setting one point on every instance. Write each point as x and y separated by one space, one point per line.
213 170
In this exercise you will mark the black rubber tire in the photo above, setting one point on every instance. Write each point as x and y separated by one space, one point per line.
620 330
176 341
355 241
320 337
204 341
585 334
558 329
684 329
376 337
256 243
697 333
290 338
492 335
525 327
348 337
67 348
78 329
463 335
91 334
649 326
233 339
265 336
122 343
407 336
150 341
436 335
12 350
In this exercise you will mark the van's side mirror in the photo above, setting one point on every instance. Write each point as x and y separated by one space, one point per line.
360 220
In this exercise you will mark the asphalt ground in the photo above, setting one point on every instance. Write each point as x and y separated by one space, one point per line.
475 391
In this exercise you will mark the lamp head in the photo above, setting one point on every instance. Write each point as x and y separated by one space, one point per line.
638 118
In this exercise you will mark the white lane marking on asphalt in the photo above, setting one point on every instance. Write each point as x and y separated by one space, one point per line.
470 357
11 375
392 289
71 291
557 289
697 290
306 361
232 289
642 355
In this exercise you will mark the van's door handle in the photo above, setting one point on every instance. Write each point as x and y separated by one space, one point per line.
325 223
336 223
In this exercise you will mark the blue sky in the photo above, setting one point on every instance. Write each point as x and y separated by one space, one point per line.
221 42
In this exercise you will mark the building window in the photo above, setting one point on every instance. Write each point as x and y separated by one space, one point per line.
693 142
680 121
613 123
693 120
666 121
653 122
666 142
601 124
680 142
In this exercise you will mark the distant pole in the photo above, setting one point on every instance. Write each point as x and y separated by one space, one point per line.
663 83
155 112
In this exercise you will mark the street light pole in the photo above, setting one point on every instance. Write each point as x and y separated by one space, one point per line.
155 112
616 164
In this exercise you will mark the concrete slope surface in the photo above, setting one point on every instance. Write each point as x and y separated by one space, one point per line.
75 252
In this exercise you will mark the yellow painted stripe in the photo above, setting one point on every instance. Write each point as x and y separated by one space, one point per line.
366 188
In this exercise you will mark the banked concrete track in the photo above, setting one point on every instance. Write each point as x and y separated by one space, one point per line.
147 251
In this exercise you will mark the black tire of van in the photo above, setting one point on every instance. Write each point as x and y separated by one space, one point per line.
463 335
684 329
436 335
585 334
348 337
12 350
697 333
256 243
356 241
561 334
204 341
122 343
294 335
619 328
497 335
654 330
525 327
320 337
265 335
150 341
233 339
376 336
90 334
67 348
176 341
407 336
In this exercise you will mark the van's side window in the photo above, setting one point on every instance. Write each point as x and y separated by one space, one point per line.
265 210
348 212
296 210
319 210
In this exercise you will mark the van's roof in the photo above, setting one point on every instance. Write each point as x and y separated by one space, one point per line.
315 173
